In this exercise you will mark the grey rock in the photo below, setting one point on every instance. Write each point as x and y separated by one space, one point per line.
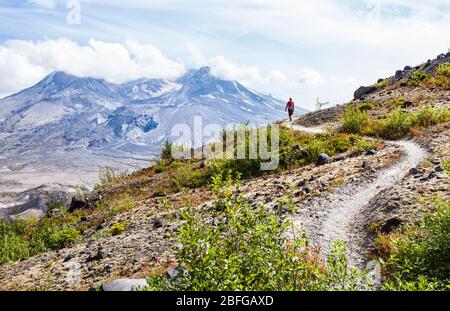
175 274
432 175
407 104
364 90
77 205
371 152
125 285
339 157
323 159
301 183
414 171
438 169
157 224
390 225
100 255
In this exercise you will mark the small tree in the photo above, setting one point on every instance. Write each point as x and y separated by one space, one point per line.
166 153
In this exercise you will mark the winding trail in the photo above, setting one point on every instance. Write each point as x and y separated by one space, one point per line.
337 210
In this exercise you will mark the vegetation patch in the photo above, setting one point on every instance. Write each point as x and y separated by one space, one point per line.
235 246
395 124
23 239
117 228
417 257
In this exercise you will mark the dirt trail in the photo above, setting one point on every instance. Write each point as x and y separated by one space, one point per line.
337 210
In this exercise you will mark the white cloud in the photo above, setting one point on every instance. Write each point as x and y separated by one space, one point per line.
23 63
226 69
196 58
48 4
310 77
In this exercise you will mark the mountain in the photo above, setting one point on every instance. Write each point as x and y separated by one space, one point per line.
63 110
66 122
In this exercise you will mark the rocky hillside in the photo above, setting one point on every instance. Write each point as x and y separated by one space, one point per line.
356 172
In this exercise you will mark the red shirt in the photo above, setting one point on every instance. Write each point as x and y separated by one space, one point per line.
290 105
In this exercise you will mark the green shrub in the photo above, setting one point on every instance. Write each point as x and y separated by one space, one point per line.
108 208
166 152
241 247
160 167
444 70
419 255
23 239
446 166
108 176
117 228
186 176
366 106
295 150
382 84
418 76
354 121
63 237
396 125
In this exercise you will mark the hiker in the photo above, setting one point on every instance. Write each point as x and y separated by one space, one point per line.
290 107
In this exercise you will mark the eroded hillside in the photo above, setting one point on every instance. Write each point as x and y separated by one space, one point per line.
367 168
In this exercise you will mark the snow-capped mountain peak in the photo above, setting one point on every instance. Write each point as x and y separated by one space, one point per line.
64 110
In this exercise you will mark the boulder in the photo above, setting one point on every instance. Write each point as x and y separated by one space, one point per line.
364 90
301 183
398 74
407 104
438 169
77 204
157 223
366 166
100 255
125 285
323 159
203 163
371 152
390 225
175 274
414 171
339 157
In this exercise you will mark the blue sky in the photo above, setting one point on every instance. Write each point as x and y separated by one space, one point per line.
304 49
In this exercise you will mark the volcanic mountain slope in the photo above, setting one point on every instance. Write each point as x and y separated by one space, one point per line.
65 128
400 179
69 112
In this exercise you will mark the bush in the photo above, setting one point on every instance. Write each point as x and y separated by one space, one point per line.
166 152
354 121
117 228
186 176
108 208
418 256
63 237
23 239
366 106
235 246
396 125
382 84
443 70
418 76
295 150
428 116
108 176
